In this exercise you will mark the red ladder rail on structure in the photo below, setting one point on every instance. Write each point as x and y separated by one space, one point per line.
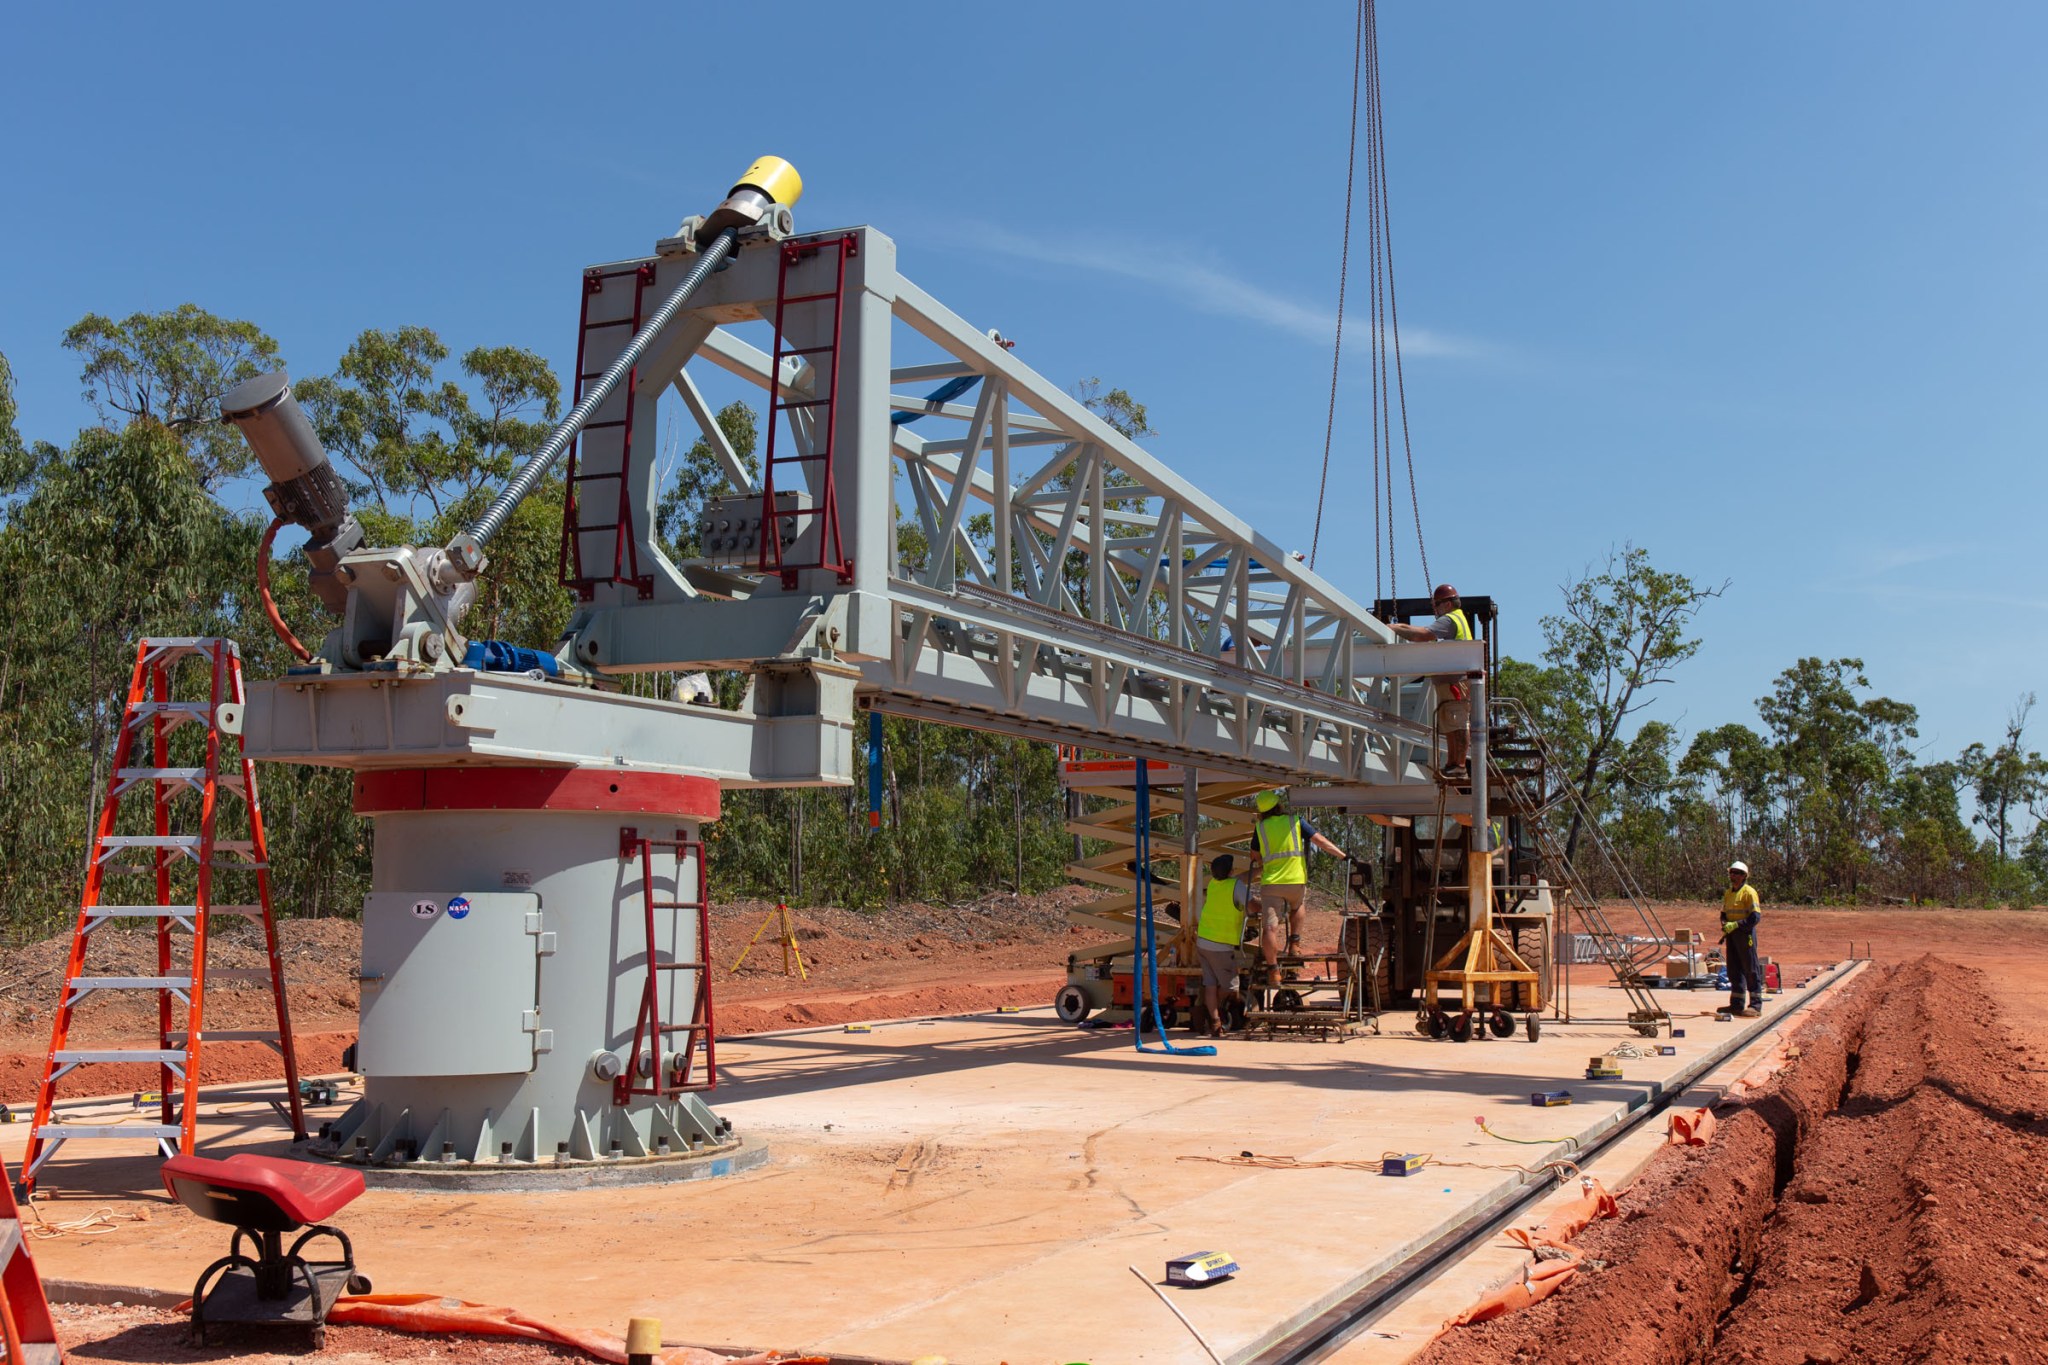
625 549
669 1069
25 1325
828 549
151 707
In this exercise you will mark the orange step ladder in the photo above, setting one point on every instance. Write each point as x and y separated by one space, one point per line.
25 1325
176 750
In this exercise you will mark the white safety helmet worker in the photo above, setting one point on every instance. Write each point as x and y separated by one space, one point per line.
1739 866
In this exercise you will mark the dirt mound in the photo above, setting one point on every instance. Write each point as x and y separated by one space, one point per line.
1877 1203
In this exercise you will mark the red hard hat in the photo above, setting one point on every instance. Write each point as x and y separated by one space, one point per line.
1444 590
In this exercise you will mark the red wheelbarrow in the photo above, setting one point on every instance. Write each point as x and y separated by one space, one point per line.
263 1198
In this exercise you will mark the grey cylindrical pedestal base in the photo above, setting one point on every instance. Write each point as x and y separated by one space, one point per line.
506 968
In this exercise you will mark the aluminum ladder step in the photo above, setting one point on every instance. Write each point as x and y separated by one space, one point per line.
176 710
67 1131
86 1056
100 912
194 778
83 984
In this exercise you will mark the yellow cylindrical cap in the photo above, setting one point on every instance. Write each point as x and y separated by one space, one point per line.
775 178
643 1336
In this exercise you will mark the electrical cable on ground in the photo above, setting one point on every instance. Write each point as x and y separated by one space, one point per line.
1557 1166
1177 1313
1572 1142
98 1223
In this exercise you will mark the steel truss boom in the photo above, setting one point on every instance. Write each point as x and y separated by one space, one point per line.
1072 586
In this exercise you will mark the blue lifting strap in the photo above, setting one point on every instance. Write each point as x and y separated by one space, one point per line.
933 401
1145 972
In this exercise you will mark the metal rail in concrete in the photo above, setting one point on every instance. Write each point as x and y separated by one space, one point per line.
1316 1337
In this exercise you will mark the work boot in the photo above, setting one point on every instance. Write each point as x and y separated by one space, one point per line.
1751 1013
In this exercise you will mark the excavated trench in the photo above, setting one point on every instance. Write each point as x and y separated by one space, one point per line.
1884 1199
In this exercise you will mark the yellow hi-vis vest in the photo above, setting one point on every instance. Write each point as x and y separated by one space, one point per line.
1462 622
1280 844
1222 919
1736 906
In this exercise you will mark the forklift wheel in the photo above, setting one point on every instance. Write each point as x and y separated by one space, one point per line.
1461 1027
1535 1026
1500 1023
1071 1004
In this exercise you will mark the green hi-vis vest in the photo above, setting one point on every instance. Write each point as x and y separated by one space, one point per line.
1281 846
1222 919
1462 622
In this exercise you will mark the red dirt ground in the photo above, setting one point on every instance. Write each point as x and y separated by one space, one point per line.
906 961
1879 1203
128 1333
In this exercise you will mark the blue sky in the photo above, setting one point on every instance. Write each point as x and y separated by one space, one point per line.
1760 287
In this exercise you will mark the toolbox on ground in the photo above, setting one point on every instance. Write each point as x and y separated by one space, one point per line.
1202 1267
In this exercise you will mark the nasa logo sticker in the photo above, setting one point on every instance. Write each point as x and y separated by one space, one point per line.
458 908
425 909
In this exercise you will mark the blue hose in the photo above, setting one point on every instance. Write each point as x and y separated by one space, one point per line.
944 393
1145 973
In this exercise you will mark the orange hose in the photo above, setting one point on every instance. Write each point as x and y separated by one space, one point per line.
270 612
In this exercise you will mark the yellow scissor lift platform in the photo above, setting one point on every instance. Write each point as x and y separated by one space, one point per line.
1104 810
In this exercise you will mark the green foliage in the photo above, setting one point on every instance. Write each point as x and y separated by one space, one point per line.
172 368
14 462
412 435
964 813
2007 779
1622 633
122 534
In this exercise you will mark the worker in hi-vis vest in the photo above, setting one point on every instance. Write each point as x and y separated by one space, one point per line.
1219 934
1283 840
1453 703
1740 911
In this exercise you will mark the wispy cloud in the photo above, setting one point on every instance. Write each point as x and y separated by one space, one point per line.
1196 281
1897 576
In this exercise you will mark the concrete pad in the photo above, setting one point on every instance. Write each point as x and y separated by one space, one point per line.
972 1187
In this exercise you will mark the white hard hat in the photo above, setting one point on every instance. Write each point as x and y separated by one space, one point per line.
1739 866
